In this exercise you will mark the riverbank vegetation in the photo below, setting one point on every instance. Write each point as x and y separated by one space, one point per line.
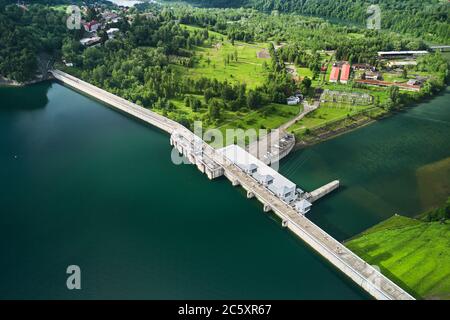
414 253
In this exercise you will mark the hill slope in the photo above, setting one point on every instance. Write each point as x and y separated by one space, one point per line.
413 253
427 18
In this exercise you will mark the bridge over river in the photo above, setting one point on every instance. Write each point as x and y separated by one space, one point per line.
215 164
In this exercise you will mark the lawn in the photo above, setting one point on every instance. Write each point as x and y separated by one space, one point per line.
212 34
327 113
381 93
247 69
394 77
414 254
269 117
304 72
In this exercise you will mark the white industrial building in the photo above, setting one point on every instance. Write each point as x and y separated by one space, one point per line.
279 185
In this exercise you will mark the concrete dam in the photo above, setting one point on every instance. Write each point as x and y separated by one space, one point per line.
274 191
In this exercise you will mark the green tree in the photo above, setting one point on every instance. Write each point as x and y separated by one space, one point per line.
254 99
214 109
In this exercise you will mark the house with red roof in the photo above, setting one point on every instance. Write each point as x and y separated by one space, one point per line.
345 73
334 76
91 26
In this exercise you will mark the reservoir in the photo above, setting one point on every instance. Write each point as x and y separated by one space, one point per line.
83 184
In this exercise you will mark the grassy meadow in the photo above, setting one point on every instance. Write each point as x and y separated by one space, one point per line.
414 254
212 61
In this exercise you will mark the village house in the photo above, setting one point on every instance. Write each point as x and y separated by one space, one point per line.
88 42
334 76
293 100
91 26
370 75
418 81
363 67
345 73
112 32
110 17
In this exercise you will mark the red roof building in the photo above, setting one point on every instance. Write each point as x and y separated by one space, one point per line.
91 26
334 76
345 74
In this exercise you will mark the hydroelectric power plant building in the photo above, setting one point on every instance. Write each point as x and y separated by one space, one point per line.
265 175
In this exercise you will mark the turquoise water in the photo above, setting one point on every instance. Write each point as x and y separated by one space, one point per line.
379 167
82 184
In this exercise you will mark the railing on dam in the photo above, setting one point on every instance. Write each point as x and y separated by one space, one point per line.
366 276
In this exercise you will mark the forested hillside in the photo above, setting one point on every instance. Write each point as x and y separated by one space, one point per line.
428 19
26 33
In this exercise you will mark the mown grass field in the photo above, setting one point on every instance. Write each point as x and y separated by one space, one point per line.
248 68
269 117
327 113
414 254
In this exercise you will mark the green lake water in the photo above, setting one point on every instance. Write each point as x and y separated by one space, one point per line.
82 184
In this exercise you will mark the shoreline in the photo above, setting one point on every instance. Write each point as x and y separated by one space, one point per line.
5 82
299 145
331 134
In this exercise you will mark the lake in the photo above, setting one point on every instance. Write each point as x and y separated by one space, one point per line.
83 184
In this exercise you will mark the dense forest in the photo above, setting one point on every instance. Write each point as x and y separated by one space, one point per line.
24 35
302 33
428 19
143 65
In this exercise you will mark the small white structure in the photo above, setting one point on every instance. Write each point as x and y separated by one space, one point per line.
284 189
264 179
293 100
303 206
250 168
110 17
369 75
90 41
112 32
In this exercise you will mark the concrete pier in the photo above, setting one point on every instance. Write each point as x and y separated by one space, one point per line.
208 160
323 191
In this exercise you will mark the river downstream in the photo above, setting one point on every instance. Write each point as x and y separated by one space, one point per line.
83 184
